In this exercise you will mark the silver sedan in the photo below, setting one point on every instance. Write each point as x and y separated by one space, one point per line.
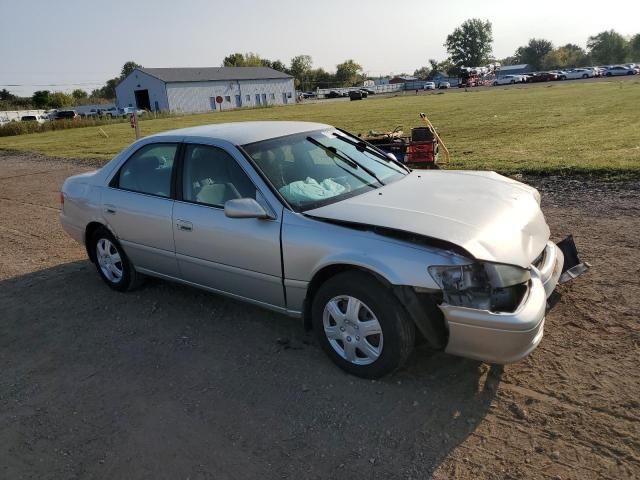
308 220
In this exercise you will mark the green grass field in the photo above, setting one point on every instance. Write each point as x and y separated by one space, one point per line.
582 127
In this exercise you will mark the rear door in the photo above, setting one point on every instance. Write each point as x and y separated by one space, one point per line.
138 207
236 256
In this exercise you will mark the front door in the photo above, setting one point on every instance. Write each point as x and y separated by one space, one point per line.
284 98
138 208
236 256
264 98
238 101
257 99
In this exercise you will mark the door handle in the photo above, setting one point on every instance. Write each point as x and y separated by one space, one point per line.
110 209
184 225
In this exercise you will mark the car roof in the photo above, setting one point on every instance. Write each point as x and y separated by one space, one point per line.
242 133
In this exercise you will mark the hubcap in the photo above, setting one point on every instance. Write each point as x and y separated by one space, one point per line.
352 329
109 260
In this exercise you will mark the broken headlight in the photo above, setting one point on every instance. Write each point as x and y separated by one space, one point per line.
485 286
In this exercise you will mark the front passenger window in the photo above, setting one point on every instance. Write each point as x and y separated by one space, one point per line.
149 170
212 177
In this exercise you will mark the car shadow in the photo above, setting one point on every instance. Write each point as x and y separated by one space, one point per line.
168 381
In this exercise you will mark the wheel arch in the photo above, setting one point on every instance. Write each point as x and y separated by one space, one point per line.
421 308
91 228
327 272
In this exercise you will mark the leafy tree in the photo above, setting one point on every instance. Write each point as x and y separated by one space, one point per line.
244 60
607 47
321 78
59 100
534 52
6 95
300 69
233 60
446 67
422 73
279 66
634 48
512 60
40 98
567 56
348 73
79 94
470 44
128 67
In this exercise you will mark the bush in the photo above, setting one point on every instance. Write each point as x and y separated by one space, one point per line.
19 128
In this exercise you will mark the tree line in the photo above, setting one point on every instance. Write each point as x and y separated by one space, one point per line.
470 45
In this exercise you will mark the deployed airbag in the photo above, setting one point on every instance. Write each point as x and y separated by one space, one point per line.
310 189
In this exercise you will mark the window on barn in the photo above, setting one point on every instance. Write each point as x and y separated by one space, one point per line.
288 94
273 96
248 98
227 98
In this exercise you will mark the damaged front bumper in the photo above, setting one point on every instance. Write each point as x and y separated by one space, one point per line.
498 337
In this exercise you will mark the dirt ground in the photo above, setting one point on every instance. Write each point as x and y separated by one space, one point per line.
170 382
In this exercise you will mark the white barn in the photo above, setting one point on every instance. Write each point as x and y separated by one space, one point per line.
196 89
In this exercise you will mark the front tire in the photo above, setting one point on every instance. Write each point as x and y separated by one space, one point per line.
361 325
112 263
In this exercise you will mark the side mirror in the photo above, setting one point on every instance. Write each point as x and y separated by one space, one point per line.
391 156
244 208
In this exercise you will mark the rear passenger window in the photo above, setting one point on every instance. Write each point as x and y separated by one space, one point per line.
149 170
212 177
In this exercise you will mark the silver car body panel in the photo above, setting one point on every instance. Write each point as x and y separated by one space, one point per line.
271 262
492 217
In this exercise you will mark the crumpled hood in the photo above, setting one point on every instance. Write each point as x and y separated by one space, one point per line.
492 217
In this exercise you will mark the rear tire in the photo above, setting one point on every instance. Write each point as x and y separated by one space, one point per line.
361 325
112 263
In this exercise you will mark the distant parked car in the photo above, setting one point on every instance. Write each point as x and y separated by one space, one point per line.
429 86
507 80
67 115
368 91
619 70
597 71
560 74
307 95
114 112
443 85
33 118
577 73
333 94
356 95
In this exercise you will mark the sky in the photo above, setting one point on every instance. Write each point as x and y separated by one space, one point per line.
65 44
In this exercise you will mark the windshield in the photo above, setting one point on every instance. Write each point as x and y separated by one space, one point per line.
313 169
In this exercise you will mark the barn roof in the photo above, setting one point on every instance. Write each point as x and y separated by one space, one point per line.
207 74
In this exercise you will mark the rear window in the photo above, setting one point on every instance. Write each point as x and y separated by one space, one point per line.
66 114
